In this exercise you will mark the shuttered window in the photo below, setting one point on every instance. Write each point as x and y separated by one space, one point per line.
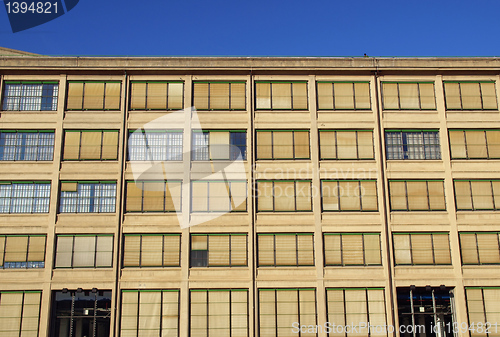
156 95
87 197
90 145
343 95
281 95
346 144
151 250
352 249
480 248
219 95
421 248
20 145
417 195
283 144
22 251
84 251
412 144
470 95
284 196
219 145
93 95
20 313
149 313
477 195
153 196
349 195
408 96
218 312
24 197
279 309
483 310
475 144
286 249
30 96
219 196
219 250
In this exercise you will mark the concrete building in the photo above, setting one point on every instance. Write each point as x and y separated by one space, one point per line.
366 196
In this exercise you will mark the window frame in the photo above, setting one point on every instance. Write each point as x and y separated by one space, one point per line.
95 251
163 252
198 147
473 209
359 181
341 251
272 131
478 250
399 95
54 97
404 148
306 82
167 96
336 131
273 181
103 97
473 323
466 145
407 209
229 200
23 310
44 200
79 198
410 249
229 98
480 95
147 147
354 95
165 196
275 250
17 264
81 145
207 257
20 150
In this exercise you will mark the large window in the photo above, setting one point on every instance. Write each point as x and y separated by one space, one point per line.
24 196
408 96
36 145
219 95
155 95
219 196
284 196
30 96
352 249
90 145
483 310
480 248
279 309
219 250
477 195
470 95
22 251
475 144
286 249
151 250
87 197
421 248
417 195
355 308
19 313
402 144
349 195
150 312
283 144
219 145
155 145
346 144
343 95
218 312
153 196
93 95
84 251
281 95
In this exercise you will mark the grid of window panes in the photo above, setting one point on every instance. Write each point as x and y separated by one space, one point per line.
151 250
20 313
480 248
22 251
87 197
408 96
475 144
219 250
30 96
33 145
285 249
483 310
218 145
84 251
417 195
343 95
24 197
401 144
155 145
477 194
93 95
352 249
468 95
421 249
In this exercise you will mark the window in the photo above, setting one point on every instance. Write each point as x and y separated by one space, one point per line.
421 248
87 197
24 196
284 196
93 95
286 249
150 312
483 310
20 313
355 307
279 309
401 144
157 145
283 144
219 145
84 251
153 196
90 145
480 248
156 95
219 95
352 249
475 144
30 96
349 195
408 96
343 95
218 250
346 144
218 312
281 95
477 195
36 145
22 251
219 196
470 95
417 195
151 250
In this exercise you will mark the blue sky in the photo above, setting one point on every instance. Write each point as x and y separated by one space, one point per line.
266 28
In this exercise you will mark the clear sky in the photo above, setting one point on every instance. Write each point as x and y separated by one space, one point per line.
266 28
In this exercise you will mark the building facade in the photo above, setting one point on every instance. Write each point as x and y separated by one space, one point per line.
365 202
